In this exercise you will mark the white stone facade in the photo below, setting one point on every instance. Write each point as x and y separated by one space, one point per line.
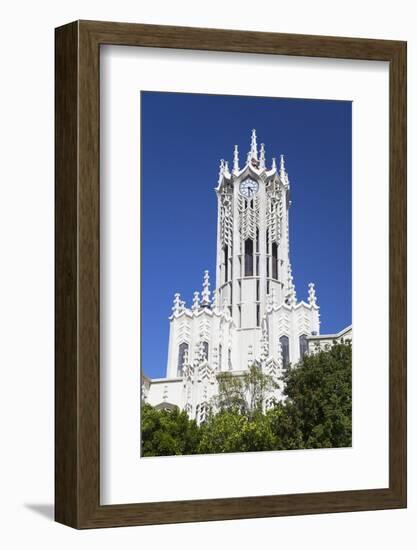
253 313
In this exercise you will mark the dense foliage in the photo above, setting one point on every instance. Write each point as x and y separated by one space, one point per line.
166 433
316 412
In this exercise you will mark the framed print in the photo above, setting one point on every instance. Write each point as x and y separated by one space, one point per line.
230 274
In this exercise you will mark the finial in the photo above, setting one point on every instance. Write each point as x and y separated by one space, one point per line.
196 302
262 163
253 146
282 172
282 164
226 167
312 299
236 160
221 169
274 163
177 306
205 295
292 296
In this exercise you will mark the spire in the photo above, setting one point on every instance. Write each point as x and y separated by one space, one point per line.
253 146
292 296
274 164
282 172
205 295
262 163
282 166
312 299
177 305
196 302
236 160
221 169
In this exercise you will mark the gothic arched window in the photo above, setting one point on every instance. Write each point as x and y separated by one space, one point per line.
285 351
248 258
303 345
183 348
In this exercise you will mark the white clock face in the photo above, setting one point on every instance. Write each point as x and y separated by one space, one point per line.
248 188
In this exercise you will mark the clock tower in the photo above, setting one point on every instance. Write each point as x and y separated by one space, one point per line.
252 314
253 266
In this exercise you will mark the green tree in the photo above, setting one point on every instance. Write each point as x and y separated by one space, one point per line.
243 393
317 412
286 427
231 432
166 433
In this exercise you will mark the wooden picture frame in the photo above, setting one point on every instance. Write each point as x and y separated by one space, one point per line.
77 382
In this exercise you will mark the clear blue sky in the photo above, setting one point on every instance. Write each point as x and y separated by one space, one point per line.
183 138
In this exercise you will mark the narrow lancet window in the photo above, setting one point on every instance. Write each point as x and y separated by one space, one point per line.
248 258
285 351
303 345
182 350
274 261
226 263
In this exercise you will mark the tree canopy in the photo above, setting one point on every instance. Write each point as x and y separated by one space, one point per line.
316 411
166 433
244 394
319 398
